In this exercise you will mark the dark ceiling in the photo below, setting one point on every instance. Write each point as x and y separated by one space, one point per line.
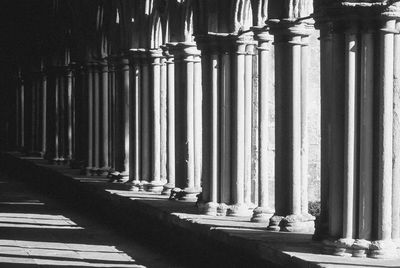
25 26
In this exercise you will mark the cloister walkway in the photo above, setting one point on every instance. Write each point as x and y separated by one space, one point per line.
36 231
174 227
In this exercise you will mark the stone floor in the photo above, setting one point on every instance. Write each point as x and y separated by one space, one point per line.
251 240
36 231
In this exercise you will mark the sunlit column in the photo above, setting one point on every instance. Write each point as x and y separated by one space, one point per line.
104 115
170 65
264 210
239 208
288 158
155 184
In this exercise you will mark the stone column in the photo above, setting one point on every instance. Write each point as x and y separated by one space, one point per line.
208 204
125 102
170 65
104 122
113 116
90 126
155 183
96 119
33 113
360 108
289 197
264 210
239 208
43 87
79 119
70 114
136 125
186 77
396 139
145 117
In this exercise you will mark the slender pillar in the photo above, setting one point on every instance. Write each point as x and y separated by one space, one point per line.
135 126
170 121
263 212
185 54
396 140
90 126
198 122
70 113
104 114
163 121
44 112
226 146
289 214
155 183
239 208
125 70
112 117
96 118
145 119
208 203
248 122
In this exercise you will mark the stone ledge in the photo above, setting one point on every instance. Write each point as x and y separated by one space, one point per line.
144 213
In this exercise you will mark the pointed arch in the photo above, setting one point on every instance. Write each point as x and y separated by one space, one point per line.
243 16
156 36
188 30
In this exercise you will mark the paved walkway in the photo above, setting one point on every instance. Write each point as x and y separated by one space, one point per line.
36 231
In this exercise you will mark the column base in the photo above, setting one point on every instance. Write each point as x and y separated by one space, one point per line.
274 223
103 171
222 209
134 185
261 214
238 210
189 194
298 223
383 249
361 248
155 187
167 188
209 208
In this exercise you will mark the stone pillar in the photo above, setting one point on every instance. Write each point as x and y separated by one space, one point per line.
70 115
123 119
210 162
360 105
135 142
289 198
79 119
170 66
186 79
145 117
396 139
112 116
90 123
43 88
241 101
96 119
104 122
264 210
155 183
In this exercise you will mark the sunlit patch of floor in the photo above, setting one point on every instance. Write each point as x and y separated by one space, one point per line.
63 254
36 232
